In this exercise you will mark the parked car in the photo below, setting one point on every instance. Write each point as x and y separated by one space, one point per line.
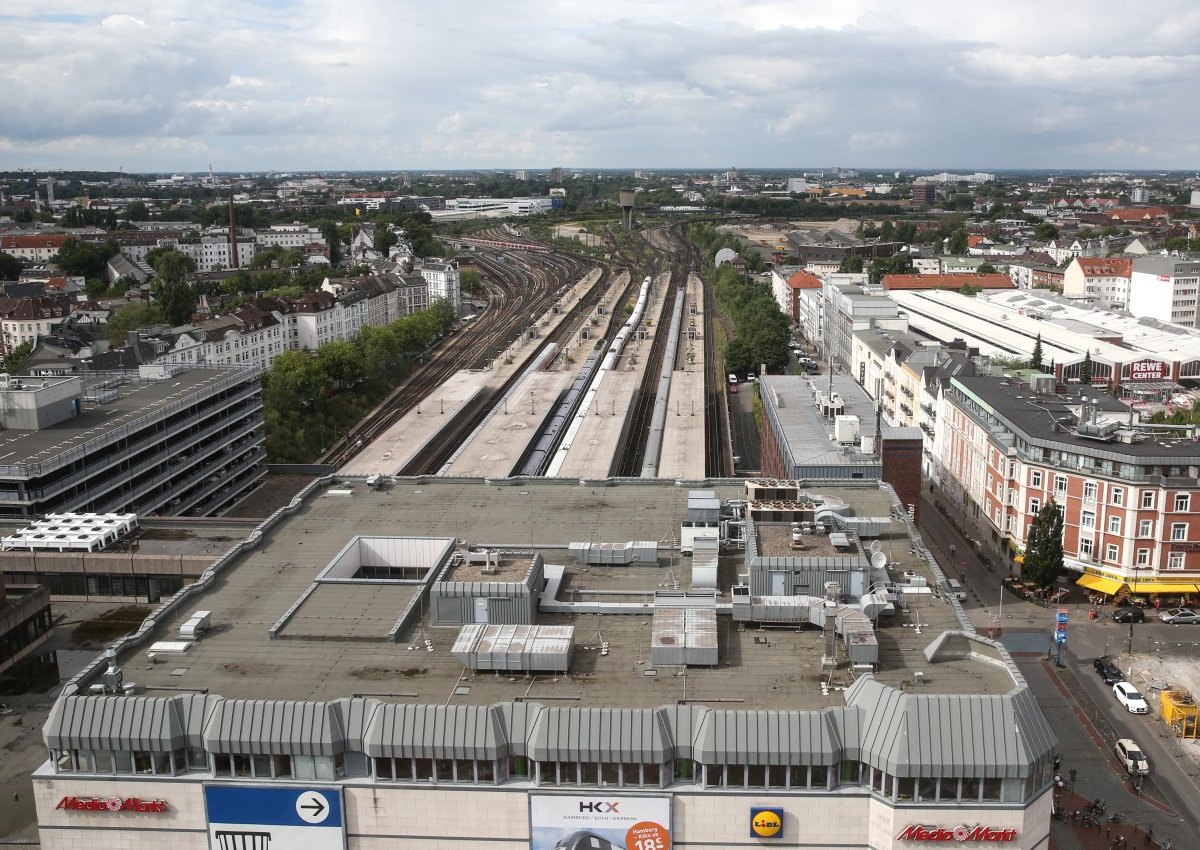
1129 697
1131 757
1129 614
733 389
1175 616
1108 671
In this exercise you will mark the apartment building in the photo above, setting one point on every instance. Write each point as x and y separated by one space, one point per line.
247 336
1006 446
25 319
445 281
294 235
1106 280
794 292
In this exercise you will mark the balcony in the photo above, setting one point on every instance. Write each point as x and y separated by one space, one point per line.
907 392
907 410
928 410
889 395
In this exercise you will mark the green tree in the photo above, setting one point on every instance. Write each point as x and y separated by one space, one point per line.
851 264
170 264
471 282
85 259
384 237
137 211
341 361
1035 362
1044 231
897 264
14 358
906 231
958 242
887 232
131 317
985 268
1085 370
1044 547
10 266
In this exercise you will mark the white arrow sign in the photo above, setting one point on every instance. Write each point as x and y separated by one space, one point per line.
312 807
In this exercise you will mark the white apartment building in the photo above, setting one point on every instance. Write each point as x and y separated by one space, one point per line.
380 291
25 319
246 336
445 281
294 235
1165 288
212 253
1104 279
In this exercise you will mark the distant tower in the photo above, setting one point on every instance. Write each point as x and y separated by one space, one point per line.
626 199
233 242
556 175
50 191
212 181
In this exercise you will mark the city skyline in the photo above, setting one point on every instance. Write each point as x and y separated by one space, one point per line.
293 86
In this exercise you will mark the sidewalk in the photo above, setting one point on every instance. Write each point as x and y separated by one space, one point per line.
1070 834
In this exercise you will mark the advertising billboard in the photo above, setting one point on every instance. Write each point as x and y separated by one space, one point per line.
1147 370
599 822
244 817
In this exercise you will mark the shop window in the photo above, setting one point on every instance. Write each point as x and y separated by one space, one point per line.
222 765
971 787
444 770
568 773
518 767
65 762
685 770
404 769
143 762
713 774
906 789
610 773
162 764
948 789
735 776
926 789
777 776
991 790
756 776
241 765
651 775
384 768
281 767
588 773
423 770
464 770
631 774
485 771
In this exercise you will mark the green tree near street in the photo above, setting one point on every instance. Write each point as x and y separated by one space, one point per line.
958 242
170 287
897 264
14 358
985 268
1044 231
851 264
10 266
85 259
1035 361
1044 547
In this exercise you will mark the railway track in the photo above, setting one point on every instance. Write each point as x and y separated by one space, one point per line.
520 286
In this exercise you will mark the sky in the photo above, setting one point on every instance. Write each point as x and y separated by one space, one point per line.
174 85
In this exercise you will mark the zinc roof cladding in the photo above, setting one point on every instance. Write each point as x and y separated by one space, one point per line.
115 723
599 734
275 727
435 731
767 737
932 735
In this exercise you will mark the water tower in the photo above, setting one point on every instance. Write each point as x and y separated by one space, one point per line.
626 201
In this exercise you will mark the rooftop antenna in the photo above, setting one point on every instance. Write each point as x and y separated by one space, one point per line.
212 181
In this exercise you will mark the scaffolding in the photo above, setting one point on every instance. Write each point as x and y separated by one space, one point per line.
1179 711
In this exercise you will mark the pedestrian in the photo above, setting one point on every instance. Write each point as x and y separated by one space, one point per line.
1157 603
1149 836
952 550
1057 761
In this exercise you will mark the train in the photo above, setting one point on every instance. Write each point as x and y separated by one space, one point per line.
658 421
609 363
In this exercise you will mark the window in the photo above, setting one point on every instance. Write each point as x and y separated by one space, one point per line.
1085 548
1089 491
1147 498
1146 528
1060 486
1087 519
1114 525
1179 531
1175 561
1035 478
1143 557
1112 552
1118 495
1035 505
1181 502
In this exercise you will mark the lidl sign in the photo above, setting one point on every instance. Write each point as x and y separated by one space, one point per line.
766 823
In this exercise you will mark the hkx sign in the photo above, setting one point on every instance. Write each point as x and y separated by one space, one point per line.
976 834
600 808
113 805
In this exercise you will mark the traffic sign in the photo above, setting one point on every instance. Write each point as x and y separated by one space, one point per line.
256 817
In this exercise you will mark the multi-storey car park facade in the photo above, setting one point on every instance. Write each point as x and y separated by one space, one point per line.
159 439
362 690
1128 490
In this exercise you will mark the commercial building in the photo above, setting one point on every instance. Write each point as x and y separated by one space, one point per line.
1165 288
150 440
1006 446
1103 280
624 713
25 623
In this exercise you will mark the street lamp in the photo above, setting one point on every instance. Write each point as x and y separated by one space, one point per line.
1133 591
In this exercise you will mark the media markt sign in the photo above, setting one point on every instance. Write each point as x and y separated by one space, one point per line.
113 805
961 834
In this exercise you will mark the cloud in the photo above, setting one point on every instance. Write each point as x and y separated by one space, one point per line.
307 84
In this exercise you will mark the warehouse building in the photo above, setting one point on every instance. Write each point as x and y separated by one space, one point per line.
326 707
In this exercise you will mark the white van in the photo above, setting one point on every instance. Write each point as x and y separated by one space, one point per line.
732 378
954 588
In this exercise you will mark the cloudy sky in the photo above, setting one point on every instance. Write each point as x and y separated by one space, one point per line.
428 84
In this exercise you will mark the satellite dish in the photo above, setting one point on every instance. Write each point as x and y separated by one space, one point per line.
874 546
878 560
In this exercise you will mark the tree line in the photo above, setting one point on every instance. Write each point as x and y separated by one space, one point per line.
312 399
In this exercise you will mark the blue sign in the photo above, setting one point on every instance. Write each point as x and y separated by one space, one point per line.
244 817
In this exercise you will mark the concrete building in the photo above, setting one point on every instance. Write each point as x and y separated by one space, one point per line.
1102 280
26 623
552 756
294 235
1165 288
1006 446
149 440
847 307
795 292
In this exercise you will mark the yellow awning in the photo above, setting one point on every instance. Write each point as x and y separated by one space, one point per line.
1160 586
1107 586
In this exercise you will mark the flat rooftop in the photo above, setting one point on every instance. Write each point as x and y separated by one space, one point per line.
335 645
135 399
